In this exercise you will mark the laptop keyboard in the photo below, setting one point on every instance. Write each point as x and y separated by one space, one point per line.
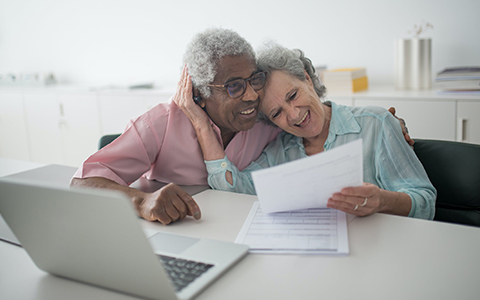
181 271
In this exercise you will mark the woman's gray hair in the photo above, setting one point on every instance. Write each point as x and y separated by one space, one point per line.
206 49
276 57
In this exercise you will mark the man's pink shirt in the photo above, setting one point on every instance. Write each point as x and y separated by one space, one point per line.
162 145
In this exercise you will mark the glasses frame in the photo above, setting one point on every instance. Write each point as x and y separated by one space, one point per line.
244 86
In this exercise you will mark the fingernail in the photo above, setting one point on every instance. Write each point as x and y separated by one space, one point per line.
196 215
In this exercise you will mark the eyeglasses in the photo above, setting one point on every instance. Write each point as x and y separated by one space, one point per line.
237 87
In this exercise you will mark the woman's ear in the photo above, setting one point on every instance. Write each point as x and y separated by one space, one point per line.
307 77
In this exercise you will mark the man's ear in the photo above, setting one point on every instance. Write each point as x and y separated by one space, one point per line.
197 98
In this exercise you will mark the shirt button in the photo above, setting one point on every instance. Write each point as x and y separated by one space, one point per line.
223 164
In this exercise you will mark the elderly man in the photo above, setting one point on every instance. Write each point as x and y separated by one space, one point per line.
162 145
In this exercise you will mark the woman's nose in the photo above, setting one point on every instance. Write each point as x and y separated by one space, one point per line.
293 113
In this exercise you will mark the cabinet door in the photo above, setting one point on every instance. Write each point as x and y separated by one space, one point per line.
42 111
13 129
160 98
425 119
79 126
468 122
117 110
343 100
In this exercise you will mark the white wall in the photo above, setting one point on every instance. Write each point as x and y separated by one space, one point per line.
99 42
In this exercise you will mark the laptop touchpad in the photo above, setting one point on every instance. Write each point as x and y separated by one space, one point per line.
164 242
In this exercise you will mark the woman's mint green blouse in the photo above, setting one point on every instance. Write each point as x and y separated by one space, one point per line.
388 161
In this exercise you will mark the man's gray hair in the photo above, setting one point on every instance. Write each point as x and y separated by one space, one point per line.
276 57
206 49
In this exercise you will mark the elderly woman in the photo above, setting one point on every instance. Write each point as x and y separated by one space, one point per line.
396 182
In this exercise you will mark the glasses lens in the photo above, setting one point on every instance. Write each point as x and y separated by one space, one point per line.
258 81
236 88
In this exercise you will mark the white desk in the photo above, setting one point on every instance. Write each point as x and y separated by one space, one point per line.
11 166
390 258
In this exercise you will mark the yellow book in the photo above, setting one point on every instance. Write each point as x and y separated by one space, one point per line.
346 85
350 73
359 84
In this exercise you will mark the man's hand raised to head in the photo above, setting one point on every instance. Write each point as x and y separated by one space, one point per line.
409 140
167 205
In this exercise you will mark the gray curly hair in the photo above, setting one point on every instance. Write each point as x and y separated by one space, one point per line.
206 49
276 57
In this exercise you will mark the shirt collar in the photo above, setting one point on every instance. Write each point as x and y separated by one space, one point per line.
342 122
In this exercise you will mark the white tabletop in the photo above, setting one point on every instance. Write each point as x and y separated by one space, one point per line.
10 166
390 258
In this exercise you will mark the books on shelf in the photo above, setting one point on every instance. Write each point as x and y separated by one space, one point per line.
458 79
458 72
345 80
470 84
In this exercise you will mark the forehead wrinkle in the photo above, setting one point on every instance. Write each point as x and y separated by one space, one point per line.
240 77
275 99
284 88
235 68
232 78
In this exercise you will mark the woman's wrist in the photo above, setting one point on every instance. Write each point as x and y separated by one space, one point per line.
394 203
211 147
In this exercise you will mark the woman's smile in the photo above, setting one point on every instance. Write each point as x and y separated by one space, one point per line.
305 120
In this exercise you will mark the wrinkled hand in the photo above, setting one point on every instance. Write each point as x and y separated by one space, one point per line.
352 197
409 140
184 99
167 205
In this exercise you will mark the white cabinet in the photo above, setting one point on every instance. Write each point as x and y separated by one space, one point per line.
42 112
164 97
79 126
13 129
116 109
428 114
348 101
63 125
468 122
62 128
425 119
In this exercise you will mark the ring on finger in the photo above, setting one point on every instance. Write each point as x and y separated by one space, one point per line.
356 207
365 202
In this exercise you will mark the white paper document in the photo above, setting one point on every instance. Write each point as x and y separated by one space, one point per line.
311 231
309 182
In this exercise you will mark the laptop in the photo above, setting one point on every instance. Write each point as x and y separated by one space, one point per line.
94 237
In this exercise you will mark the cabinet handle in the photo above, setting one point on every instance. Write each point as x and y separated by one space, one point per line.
62 110
462 130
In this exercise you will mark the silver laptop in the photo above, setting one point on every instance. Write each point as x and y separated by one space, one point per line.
94 236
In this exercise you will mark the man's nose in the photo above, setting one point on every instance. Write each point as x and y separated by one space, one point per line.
250 94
